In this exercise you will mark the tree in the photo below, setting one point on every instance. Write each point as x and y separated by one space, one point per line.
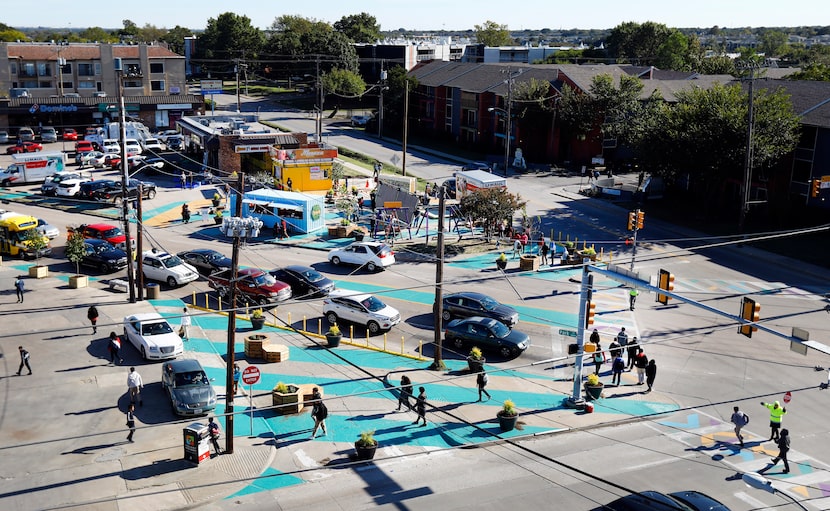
150 33
393 97
360 28
815 72
97 34
9 35
129 31
36 242
492 34
637 43
175 38
576 111
305 38
717 65
229 36
343 82
75 249
773 42
674 53
489 206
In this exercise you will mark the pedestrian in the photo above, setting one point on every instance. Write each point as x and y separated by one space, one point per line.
632 297
24 360
92 316
285 228
598 357
184 328
783 449
131 421
615 350
622 338
421 406
517 248
405 392
114 347
19 287
594 337
213 431
739 419
184 180
617 368
481 381
651 374
185 213
640 362
776 415
544 249
135 385
289 184
319 412
237 374
631 349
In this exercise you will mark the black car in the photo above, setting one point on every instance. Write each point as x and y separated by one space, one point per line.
468 304
101 255
205 260
304 281
486 333
678 501
115 194
87 190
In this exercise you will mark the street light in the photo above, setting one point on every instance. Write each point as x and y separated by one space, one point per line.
760 482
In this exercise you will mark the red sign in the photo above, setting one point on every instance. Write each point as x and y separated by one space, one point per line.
787 397
250 375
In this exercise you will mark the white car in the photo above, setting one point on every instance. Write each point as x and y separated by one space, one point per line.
70 187
50 186
111 146
48 230
153 144
362 309
132 147
372 254
168 268
163 135
93 158
152 336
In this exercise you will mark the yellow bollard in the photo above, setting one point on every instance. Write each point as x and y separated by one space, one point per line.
351 333
193 298
384 342
320 326
304 324
220 304
367 337
601 253
568 238
207 301
289 319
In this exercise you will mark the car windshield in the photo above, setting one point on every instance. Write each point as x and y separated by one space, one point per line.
265 279
372 304
171 262
499 330
112 233
191 378
312 275
488 303
156 328
214 256
100 249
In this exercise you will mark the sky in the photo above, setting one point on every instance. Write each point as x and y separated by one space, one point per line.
434 15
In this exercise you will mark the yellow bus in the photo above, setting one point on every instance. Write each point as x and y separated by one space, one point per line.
13 237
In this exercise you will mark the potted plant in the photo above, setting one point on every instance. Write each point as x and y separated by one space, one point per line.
286 398
508 416
475 360
75 252
333 336
257 319
366 445
36 242
330 197
359 233
217 217
501 262
216 199
593 387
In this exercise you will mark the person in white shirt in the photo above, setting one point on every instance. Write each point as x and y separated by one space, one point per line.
135 385
185 328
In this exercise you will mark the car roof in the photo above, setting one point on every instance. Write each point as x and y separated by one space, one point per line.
201 251
94 241
349 293
101 227
477 319
298 268
467 294
183 365
250 271
146 316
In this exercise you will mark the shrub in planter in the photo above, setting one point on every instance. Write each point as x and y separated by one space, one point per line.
508 416
366 445
257 319
334 336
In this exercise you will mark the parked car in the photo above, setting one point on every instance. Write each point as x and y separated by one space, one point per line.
653 500
360 120
362 309
50 186
486 333
4 137
24 147
153 144
88 189
69 134
111 146
102 256
163 135
205 260
83 146
50 231
476 165
112 160
188 387
152 336
253 285
48 134
132 147
114 194
372 254
26 134
107 232
467 304
305 282
70 187
95 159
164 267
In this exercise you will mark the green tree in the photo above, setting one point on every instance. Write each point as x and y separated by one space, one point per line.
9 34
492 34
343 83
637 43
718 65
97 34
393 98
309 39
674 53
360 28
815 72
150 33
130 30
576 111
35 241
773 42
488 206
175 38
230 36
75 250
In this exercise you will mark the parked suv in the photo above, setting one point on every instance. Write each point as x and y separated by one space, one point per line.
168 268
26 135
48 134
374 255
362 309
115 195
88 189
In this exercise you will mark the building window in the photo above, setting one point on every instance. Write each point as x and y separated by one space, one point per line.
97 69
68 85
86 85
44 69
132 69
66 69
13 67
156 67
86 69
27 70
45 85
157 85
135 84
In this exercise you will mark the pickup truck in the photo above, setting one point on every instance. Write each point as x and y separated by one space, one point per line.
114 193
253 286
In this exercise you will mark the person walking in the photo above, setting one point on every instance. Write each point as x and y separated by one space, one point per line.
632 297
622 340
114 347
24 360
776 415
481 381
617 368
135 385
421 406
237 374
594 337
185 213
319 412
632 350
405 393
517 248
544 249
783 449
640 362
651 374
92 316
739 419
131 421
615 350
214 432
184 329
599 358
20 288
184 180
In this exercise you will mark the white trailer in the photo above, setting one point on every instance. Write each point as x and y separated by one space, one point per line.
468 181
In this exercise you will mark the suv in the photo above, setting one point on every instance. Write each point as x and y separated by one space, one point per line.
70 187
467 304
372 254
50 186
152 144
48 134
26 135
115 195
188 386
363 309
111 146
107 232
101 255
168 268
89 188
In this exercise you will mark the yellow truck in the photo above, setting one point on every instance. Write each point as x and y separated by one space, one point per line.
13 237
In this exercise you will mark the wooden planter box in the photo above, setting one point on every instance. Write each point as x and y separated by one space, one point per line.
288 402
39 272
275 353
254 344
78 281
340 231
529 263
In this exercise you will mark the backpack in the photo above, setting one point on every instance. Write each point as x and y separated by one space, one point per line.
746 419
619 364
322 411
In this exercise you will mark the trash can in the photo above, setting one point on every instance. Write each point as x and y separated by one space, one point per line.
152 291
196 443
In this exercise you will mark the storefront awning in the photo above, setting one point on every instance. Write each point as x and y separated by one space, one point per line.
257 202
289 207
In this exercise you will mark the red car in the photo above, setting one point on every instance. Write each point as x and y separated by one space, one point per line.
70 134
110 233
24 147
112 161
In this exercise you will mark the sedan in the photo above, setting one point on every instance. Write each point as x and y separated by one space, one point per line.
305 282
486 333
24 147
468 304
70 134
683 501
189 388
50 231
205 260
375 256
152 336
99 254
361 309
95 158
360 120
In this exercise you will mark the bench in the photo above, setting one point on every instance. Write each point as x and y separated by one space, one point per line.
119 285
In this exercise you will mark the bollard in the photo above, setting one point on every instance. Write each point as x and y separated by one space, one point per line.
367 337
193 298
384 342
289 319
320 326
421 349
601 253
304 324
351 333
207 301
220 304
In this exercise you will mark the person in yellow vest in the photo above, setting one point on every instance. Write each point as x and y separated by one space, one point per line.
776 415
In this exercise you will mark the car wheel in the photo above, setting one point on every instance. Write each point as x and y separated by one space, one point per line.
331 318
151 194
171 282
446 316
458 342
371 267
373 327
334 260
262 301
103 268
506 351
143 353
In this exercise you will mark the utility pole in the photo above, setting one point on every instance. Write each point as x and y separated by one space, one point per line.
321 97
229 415
405 125
238 99
139 234
747 184
584 297
380 100
438 361
125 204
509 118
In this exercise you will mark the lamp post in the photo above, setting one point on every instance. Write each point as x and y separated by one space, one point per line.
119 73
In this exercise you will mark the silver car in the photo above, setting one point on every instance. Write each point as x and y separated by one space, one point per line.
189 388
48 134
362 309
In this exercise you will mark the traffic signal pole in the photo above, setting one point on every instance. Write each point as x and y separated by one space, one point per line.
576 399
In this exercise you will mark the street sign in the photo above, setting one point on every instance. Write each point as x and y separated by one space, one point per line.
211 87
788 397
567 333
250 375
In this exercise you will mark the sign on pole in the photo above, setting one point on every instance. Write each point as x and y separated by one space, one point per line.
211 87
788 397
250 375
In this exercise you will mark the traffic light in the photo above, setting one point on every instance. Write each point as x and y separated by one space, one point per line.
640 217
750 311
665 281
632 220
590 310
815 188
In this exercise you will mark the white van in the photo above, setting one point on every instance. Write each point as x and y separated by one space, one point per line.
110 145
133 147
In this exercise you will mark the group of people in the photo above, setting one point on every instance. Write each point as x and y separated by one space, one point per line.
781 436
420 406
637 359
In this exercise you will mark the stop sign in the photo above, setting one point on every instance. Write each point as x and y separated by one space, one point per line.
787 397
250 375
